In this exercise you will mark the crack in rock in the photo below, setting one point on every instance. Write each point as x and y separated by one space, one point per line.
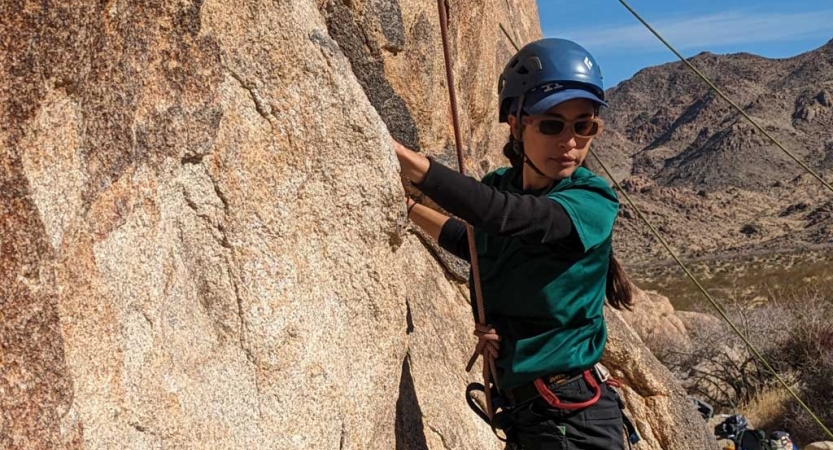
261 106
215 223
442 438
215 214
343 438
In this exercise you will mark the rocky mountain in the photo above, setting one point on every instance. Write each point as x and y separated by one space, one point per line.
711 181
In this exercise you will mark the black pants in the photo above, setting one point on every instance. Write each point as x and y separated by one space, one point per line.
538 426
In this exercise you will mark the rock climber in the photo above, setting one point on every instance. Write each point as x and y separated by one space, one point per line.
543 231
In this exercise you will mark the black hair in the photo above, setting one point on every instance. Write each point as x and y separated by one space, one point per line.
513 151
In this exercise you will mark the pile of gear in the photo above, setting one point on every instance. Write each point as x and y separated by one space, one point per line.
735 428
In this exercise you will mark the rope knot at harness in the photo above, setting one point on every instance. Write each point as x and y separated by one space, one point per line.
488 344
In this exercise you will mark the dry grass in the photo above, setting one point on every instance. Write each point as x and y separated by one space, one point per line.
768 408
776 275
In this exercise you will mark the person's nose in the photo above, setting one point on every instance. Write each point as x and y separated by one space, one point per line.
569 144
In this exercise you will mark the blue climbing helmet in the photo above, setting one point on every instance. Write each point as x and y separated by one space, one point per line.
547 72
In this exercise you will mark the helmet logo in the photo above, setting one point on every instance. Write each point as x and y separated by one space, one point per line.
551 87
588 63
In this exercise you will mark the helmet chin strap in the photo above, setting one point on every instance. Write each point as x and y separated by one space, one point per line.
519 140
529 163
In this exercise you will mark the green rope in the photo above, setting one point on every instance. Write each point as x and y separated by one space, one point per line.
508 37
674 255
654 231
709 297
724 97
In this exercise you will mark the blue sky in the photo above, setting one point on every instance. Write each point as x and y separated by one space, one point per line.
622 45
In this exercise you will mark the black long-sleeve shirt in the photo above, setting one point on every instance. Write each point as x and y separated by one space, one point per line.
532 218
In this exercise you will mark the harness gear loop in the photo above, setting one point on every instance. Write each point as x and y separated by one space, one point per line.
489 369
556 402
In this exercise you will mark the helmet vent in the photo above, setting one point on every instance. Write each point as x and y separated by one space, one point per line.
523 70
535 62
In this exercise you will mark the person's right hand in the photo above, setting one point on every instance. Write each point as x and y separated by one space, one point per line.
412 165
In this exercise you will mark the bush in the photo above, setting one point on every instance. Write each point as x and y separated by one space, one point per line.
809 352
719 368
794 334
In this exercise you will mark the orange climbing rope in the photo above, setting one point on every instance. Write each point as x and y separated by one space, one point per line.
487 337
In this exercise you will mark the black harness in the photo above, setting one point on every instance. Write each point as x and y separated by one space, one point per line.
505 402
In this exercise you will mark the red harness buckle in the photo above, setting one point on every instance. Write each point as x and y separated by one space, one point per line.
556 402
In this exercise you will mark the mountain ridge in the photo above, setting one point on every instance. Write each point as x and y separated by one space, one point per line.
672 136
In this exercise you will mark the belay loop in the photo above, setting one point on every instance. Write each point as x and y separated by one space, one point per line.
499 420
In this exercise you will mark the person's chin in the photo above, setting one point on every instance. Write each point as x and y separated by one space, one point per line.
562 169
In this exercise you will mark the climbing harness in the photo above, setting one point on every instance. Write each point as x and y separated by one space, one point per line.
507 402
542 388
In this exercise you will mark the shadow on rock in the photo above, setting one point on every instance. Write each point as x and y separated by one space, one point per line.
410 434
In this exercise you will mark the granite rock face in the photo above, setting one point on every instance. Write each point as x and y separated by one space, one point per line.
658 405
656 322
202 228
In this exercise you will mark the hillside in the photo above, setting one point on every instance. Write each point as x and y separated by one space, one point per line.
708 178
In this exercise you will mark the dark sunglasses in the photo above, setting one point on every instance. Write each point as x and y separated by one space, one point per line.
554 125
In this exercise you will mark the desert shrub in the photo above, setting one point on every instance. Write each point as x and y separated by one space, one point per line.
809 352
794 333
718 367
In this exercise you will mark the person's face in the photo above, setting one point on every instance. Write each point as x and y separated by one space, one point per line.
559 154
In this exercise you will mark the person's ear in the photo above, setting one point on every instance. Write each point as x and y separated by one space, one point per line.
513 127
